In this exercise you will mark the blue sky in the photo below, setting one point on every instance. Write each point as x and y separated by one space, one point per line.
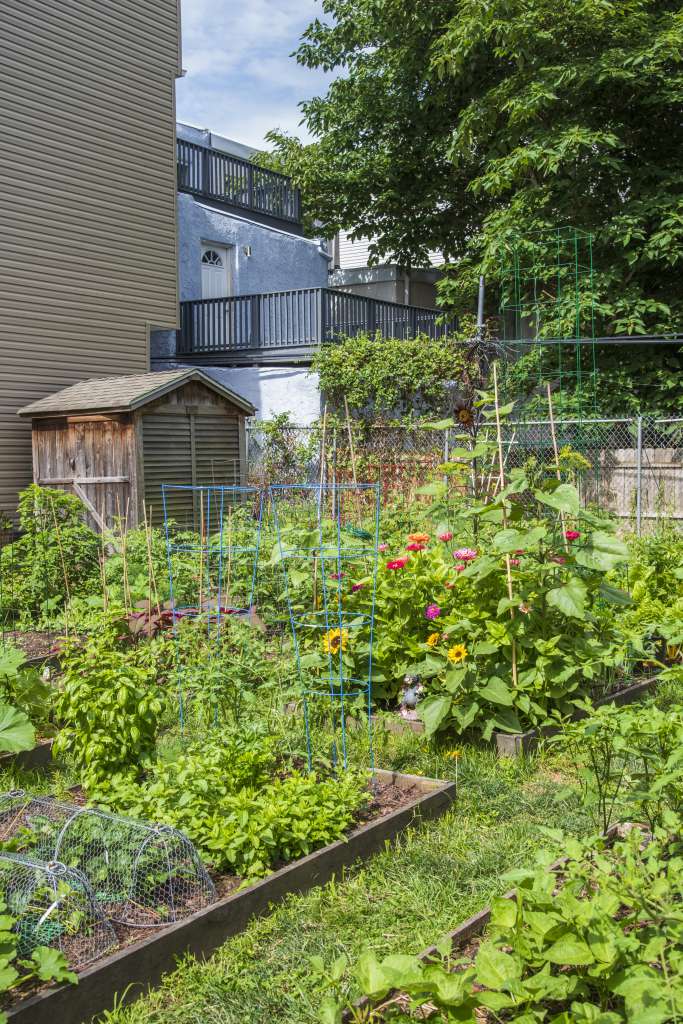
240 79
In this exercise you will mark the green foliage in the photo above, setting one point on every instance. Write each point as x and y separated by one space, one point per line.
461 125
227 796
111 701
44 963
24 687
601 943
388 377
56 556
630 761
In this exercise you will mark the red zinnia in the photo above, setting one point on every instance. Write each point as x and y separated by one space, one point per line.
415 547
446 536
572 534
397 563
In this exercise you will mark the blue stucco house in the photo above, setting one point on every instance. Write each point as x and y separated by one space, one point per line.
255 295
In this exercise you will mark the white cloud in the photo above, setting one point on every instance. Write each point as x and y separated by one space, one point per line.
241 80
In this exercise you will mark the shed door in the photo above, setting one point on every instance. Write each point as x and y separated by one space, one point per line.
216 271
168 445
217 443
167 458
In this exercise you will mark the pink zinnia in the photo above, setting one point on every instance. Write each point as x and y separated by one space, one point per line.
572 534
446 536
382 547
432 611
336 575
461 567
356 586
464 554
514 561
415 546
397 563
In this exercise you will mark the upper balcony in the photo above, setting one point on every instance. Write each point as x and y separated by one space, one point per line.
245 188
288 326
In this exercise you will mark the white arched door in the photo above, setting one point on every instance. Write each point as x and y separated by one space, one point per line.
216 271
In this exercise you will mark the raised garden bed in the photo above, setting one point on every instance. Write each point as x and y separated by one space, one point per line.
515 744
462 939
132 970
39 756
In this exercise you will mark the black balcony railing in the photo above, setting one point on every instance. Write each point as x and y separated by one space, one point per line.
277 322
237 183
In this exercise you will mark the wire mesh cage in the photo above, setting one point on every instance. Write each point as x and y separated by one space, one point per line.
327 538
55 907
142 875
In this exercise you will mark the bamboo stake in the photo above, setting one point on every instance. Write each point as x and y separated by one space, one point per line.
322 448
348 427
229 555
58 534
201 546
123 532
557 460
501 463
150 563
103 554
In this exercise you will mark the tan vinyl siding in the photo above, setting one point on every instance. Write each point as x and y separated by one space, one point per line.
87 199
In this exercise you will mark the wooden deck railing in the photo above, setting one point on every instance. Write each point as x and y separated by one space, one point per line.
303 318
227 179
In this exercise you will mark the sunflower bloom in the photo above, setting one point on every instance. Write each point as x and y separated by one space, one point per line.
433 639
335 640
457 653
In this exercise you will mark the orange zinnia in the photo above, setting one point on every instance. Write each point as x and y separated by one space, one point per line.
418 538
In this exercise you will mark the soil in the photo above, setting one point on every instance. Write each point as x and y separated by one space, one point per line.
34 644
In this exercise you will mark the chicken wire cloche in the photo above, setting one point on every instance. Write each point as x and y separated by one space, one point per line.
55 907
142 875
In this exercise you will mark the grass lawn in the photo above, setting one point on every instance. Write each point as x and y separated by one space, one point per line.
402 900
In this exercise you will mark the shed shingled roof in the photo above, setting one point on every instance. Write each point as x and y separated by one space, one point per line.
125 394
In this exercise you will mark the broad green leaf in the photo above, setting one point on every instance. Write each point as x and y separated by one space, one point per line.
370 975
495 968
503 912
497 692
569 599
434 490
505 719
564 498
604 551
433 711
615 596
52 965
329 1012
402 970
569 951
16 731
11 661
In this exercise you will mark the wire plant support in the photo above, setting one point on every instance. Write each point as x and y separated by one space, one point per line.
137 874
212 558
327 541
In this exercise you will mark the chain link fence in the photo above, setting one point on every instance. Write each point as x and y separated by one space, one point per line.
631 467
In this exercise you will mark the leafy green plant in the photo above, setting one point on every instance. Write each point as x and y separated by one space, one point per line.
25 687
596 940
111 701
56 556
44 963
239 806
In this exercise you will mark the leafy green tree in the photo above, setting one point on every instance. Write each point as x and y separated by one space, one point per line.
462 124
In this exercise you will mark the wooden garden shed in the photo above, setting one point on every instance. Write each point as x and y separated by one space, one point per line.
114 440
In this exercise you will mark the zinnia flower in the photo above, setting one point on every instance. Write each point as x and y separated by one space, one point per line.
356 586
432 611
415 546
418 538
397 563
464 554
519 551
382 547
336 575
572 534
457 653
525 608
461 567
433 639
513 561
446 536
335 640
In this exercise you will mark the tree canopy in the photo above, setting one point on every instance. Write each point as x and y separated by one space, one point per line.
462 125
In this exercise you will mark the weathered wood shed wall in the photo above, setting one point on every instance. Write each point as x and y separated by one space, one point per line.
113 442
